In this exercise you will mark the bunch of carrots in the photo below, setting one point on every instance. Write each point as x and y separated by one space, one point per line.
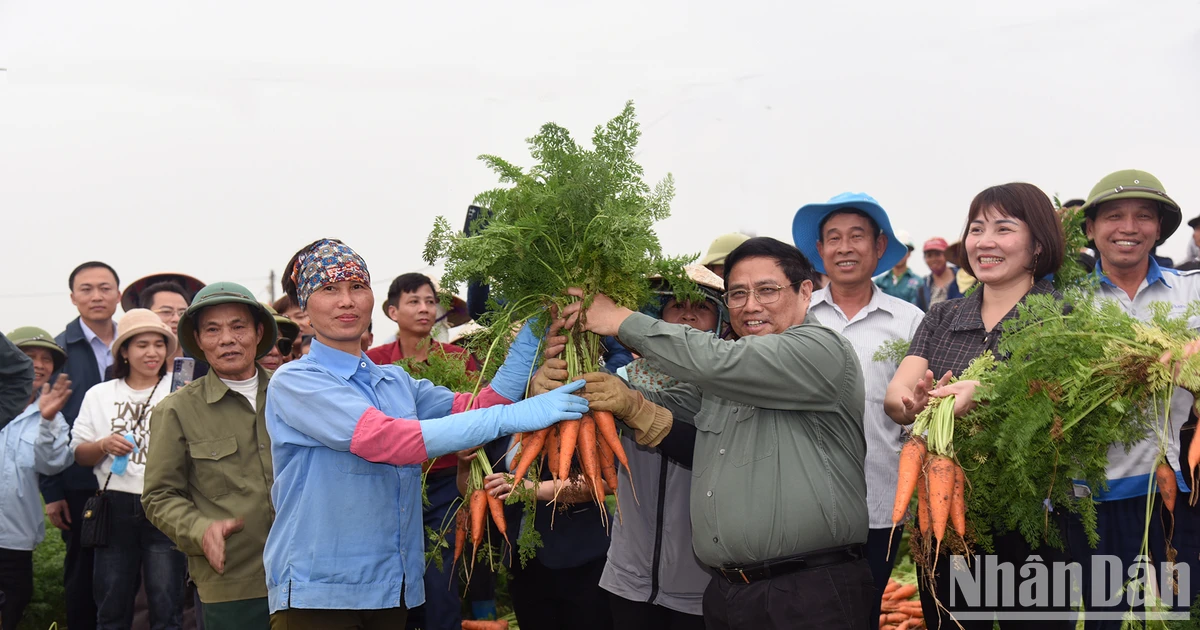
940 485
499 624
900 610
472 521
593 439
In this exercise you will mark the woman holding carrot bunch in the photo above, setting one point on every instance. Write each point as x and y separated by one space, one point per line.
1013 241
347 439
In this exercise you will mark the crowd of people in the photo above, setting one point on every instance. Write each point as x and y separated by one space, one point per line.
219 462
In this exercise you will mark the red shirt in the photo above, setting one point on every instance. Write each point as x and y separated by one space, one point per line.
388 354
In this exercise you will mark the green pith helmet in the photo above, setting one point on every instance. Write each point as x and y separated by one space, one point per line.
1133 184
720 248
288 329
226 293
33 337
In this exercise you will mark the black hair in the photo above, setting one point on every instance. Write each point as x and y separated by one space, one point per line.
120 366
407 283
146 298
1073 203
286 283
795 266
91 264
848 210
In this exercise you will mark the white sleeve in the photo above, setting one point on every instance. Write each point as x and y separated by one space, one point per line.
89 423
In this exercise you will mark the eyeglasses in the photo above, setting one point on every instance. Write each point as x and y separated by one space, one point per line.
737 298
168 312
284 345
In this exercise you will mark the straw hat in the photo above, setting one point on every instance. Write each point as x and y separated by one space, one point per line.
133 293
138 321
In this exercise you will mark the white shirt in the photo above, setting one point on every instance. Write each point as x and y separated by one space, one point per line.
247 388
111 408
104 355
883 319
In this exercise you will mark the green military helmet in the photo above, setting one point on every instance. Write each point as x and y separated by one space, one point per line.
1134 184
226 293
33 337
288 329
721 247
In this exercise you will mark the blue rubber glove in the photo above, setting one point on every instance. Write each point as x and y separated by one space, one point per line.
480 426
122 462
514 374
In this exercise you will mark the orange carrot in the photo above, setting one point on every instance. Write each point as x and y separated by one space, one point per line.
923 503
606 427
1167 487
903 593
608 463
588 459
553 447
911 458
568 433
895 618
475 624
958 504
891 587
460 535
478 514
496 508
531 446
941 487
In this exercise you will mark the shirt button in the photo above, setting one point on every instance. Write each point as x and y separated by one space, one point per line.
714 539
214 453
362 365
262 446
721 452
710 493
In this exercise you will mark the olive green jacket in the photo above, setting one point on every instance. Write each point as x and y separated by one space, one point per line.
210 459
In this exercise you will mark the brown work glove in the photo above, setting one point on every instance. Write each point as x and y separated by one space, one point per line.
605 392
551 376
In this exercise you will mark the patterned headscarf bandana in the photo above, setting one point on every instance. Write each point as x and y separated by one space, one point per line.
325 263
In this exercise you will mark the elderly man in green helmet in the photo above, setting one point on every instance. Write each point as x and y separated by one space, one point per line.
1127 215
208 480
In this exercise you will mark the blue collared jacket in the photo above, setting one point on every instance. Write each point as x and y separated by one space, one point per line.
29 447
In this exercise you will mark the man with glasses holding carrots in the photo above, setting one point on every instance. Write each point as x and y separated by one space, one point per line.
778 498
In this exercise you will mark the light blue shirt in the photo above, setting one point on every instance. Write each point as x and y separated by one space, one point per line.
1129 473
28 447
104 355
348 533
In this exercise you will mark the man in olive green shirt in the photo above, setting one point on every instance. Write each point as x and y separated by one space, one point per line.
778 497
208 478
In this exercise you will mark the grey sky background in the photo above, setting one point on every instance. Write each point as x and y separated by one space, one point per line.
216 138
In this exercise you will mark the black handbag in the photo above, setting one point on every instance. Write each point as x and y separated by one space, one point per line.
96 520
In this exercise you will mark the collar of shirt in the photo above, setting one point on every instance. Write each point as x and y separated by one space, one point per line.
90 335
823 296
215 389
1154 273
969 314
343 364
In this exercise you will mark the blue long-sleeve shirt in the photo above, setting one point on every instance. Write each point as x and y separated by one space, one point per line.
29 446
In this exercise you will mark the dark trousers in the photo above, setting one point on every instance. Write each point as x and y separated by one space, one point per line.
835 597
559 599
245 614
16 585
308 619
1120 525
78 567
136 546
630 615
882 548
442 609
1009 548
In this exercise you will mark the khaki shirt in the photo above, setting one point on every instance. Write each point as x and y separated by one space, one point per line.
211 460
779 459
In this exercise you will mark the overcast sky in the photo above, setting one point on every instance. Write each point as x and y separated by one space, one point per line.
216 138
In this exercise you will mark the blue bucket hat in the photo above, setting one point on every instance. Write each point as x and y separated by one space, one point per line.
806 228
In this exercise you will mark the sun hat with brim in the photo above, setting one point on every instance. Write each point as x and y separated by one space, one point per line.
288 329
458 313
141 320
905 239
1134 184
133 293
226 293
806 228
711 285
33 337
721 247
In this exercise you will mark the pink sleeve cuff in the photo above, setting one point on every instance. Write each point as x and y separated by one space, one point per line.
382 439
487 398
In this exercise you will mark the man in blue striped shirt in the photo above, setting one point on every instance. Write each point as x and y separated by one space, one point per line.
850 240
